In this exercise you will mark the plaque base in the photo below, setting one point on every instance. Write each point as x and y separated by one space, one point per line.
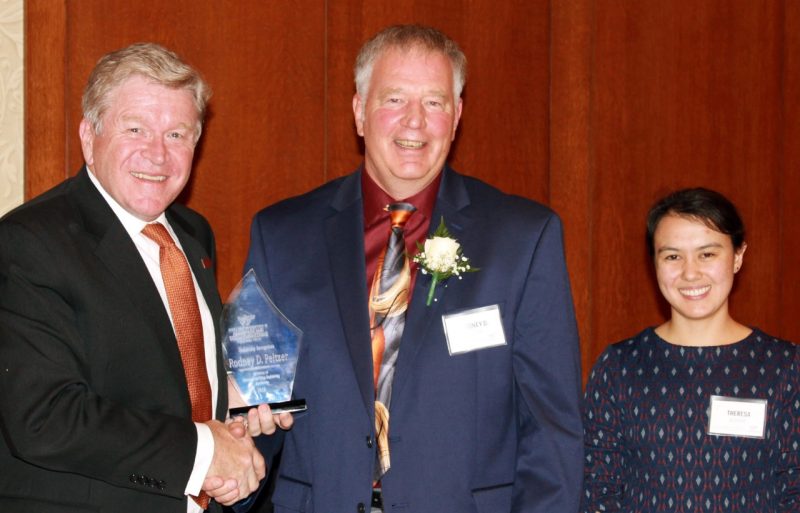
291 406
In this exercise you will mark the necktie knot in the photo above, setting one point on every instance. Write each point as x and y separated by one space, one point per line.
158 233
399 213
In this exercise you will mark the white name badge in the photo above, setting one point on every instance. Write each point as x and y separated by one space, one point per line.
474 329
734 416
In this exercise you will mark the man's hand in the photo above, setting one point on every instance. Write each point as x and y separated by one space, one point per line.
261 421
237 466
223 491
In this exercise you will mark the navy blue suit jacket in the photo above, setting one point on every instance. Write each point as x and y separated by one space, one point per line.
494 430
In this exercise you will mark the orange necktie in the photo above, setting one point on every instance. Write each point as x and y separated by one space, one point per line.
182 300
388 302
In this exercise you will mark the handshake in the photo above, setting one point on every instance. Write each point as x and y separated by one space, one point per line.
237 466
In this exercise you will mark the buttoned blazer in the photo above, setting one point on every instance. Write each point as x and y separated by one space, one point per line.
493 430
94 407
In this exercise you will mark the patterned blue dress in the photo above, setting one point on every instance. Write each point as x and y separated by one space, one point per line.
645 422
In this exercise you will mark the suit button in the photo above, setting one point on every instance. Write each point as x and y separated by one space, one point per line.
361 508
370 443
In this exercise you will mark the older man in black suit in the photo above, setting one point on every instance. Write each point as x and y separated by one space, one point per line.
111 376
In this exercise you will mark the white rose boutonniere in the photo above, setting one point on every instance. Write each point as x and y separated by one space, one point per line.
441 257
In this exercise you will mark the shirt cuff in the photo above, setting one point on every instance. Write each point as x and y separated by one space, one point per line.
202 459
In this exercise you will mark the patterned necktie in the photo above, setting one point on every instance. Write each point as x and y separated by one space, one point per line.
182 300
388 303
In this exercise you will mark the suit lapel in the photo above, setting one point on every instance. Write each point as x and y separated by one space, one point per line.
197 255
451 205
344 237
116 251
201 263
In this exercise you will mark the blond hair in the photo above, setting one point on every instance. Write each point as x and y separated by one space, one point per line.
148 60
407 37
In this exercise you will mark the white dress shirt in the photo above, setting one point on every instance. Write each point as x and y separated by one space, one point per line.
149 250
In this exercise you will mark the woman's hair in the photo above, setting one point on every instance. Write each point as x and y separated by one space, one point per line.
148 60
704 205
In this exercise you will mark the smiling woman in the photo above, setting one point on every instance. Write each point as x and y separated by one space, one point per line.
697 240
676 414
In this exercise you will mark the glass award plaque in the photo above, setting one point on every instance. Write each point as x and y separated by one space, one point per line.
260 347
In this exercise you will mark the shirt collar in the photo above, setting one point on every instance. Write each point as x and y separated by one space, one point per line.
132 224
375 199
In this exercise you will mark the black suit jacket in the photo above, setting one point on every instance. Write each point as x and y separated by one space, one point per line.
94 408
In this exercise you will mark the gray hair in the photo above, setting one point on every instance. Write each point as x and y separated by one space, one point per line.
407 37
148 60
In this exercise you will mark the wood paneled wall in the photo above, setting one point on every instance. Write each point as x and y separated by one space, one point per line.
596 107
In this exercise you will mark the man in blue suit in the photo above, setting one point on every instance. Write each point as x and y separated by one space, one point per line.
483 407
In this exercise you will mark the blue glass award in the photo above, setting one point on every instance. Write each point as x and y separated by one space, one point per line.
260 347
